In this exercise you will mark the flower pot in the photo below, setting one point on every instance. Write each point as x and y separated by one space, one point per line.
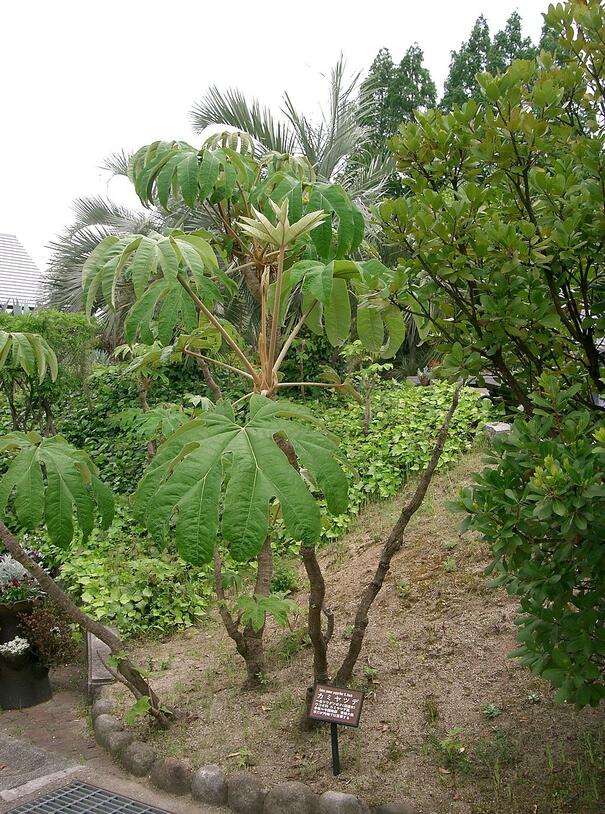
23 680
16 661
24 686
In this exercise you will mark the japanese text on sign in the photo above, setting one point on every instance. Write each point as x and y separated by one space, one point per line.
336 705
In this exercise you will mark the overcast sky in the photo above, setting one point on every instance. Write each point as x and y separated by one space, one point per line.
83 79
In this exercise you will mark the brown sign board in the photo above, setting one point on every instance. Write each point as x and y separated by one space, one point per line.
336 705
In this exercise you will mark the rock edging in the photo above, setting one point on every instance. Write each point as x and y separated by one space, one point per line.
242 792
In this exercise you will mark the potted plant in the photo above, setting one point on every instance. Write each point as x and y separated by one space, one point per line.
16 653
23 676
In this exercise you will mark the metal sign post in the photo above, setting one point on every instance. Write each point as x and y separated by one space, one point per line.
336 705
335 752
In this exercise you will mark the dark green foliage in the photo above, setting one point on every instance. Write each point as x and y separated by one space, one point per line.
541 506
391 93
505 241
31 397
502 232
480 53
405 421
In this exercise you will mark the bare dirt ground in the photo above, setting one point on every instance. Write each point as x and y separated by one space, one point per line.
449 722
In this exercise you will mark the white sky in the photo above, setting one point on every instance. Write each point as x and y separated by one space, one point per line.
83 79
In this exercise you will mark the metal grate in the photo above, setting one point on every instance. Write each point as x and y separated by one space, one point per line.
80 798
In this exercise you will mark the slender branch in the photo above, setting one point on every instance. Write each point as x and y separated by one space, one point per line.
225 334
392 545
293 334
217 362
213 385
231 625
309 384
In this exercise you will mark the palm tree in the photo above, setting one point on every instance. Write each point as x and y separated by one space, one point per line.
328 144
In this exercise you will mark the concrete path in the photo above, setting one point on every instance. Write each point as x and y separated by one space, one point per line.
51 745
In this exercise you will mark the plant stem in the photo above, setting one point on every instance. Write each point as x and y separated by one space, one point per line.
218 363
225 334
294 333
276 307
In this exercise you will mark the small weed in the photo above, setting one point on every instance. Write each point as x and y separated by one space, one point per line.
403 589
491 711
450 565
394 751
348 632
534 697
263 680
431 709
452 750
292 643
395 645
370 673
243 758
490 754
284 579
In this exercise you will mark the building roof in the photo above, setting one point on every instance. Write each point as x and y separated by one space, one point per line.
20 278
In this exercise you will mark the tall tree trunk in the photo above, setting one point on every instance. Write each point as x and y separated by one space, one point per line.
392 545
132 677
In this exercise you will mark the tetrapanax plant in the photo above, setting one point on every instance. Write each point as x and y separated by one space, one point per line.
287 237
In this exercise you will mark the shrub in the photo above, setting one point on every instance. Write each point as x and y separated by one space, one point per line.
541 505
50 633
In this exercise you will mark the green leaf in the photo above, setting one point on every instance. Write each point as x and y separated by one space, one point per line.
144 265
370 327
208 174
52 480
395 325
186 477
187 174
337 313
141 707
318 281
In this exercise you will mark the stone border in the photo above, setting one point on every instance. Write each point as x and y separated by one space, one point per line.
242 792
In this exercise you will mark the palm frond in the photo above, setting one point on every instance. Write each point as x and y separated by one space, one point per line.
117 163
232 108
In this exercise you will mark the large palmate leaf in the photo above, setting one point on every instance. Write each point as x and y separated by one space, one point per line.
171 168
216 469
152 264
28 351
52 482
326 288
